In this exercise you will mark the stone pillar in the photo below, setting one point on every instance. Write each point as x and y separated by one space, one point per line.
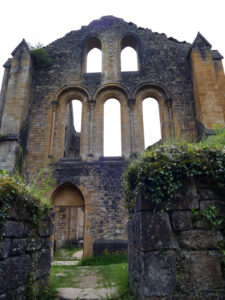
208 104
52 131
84 134
16 103
131 103
138 127
111 60
220 78
92 104
5 81
17 95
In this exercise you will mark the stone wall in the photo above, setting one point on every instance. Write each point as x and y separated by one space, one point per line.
101 185
25 255
174 252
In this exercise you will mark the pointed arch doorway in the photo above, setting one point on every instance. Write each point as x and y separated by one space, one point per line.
69 207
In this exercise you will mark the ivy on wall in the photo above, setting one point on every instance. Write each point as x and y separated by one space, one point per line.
159 173
16 194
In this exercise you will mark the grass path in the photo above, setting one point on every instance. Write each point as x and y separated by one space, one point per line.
99 278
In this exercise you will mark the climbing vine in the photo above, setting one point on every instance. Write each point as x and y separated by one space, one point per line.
159 173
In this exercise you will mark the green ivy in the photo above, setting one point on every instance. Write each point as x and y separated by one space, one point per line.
16 194
40 56
159 173
210 214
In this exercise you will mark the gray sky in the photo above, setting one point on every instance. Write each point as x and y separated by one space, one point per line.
43 21
46 20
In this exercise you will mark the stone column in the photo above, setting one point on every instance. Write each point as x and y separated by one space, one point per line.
52 131
17 96
111 60
131 104
16 104
5 81
137 125
92 104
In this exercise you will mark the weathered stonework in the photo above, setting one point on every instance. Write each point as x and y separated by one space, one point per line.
25 255
187 80
172 254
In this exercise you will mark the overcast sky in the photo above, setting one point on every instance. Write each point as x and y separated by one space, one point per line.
47 20
43 21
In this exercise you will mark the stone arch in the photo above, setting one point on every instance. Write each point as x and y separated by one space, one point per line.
112 87
161 94
58 118
89 44
72 203
120 94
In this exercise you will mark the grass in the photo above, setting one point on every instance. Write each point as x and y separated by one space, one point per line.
111 271
64 276
104 260
116 275
65 254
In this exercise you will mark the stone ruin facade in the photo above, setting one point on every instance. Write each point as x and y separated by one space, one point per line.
186 79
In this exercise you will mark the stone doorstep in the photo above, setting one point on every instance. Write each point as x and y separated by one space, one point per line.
85 294
65 263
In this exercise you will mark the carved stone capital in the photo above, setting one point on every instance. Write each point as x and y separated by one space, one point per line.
91 103
54 105
131 102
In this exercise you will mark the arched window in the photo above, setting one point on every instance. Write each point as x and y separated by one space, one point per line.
93 56
151 121
129 60
129 54
112 128
73 128
94 61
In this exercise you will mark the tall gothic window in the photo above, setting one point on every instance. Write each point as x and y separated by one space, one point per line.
151 121
93 56
112 128
129 54
73 128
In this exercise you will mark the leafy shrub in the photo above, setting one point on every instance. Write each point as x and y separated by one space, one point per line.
16 194
40 56
159 173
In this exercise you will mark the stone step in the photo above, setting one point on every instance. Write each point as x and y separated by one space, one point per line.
85 294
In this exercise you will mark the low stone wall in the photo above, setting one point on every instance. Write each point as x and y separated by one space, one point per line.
25 255
175 251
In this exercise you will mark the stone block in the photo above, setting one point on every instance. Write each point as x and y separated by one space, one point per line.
18 246
185 199
15 229
46 229
200 239
154 232
5 248
34 244
46 243
18 294
206 194
181 220
14 272
220 205
200 271
158 274
100 246
41 261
